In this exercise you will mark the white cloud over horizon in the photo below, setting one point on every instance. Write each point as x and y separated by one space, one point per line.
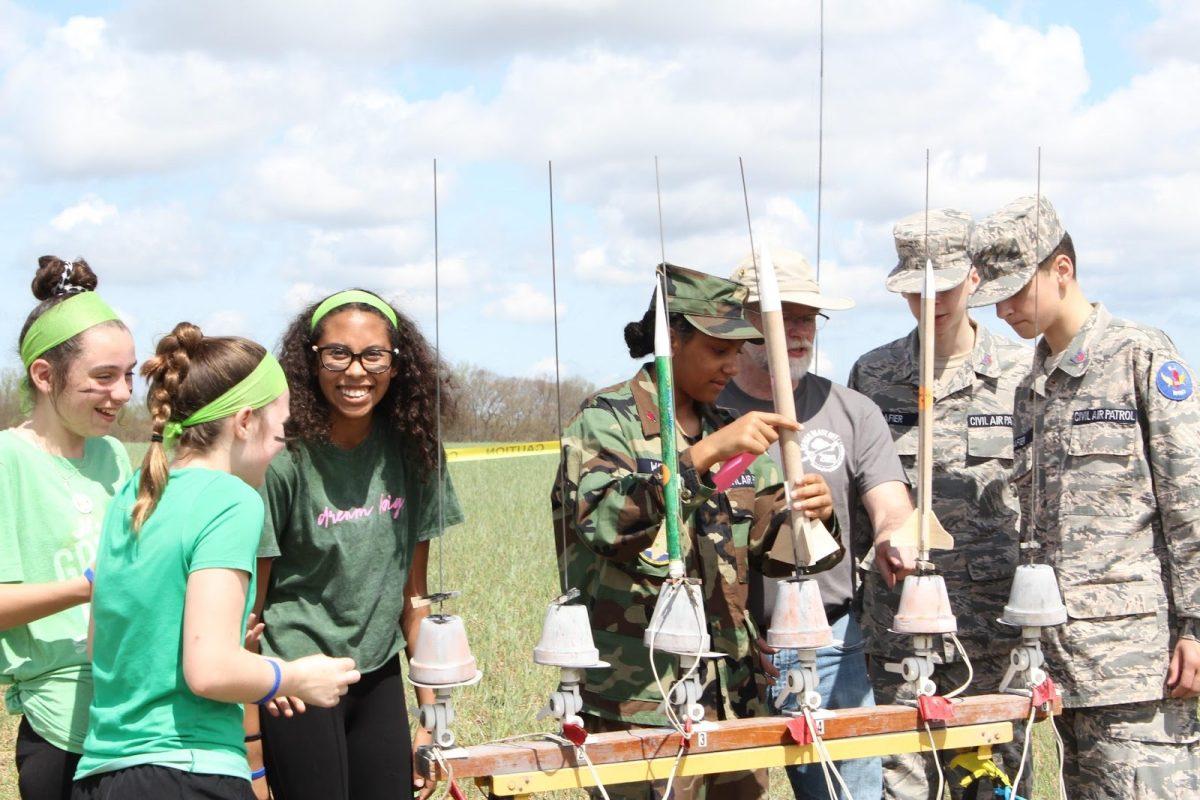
174 144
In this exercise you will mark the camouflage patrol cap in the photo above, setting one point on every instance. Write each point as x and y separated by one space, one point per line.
949 232
712 305
1003 247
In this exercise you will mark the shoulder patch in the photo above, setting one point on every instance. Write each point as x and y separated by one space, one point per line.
1023 440
1173 381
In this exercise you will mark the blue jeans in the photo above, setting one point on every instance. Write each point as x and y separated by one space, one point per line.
844 684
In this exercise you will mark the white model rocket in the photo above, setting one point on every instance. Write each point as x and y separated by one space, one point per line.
922 529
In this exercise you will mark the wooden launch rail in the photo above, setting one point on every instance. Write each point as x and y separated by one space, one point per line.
523 768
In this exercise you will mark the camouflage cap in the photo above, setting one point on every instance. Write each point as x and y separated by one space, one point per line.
796 279
949 232
1007 247
712 305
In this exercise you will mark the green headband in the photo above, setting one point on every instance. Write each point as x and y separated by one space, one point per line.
64 321
346 298
265 383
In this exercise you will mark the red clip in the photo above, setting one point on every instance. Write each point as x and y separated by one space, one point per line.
799 730
574 733
1044 693
687 732
456 793
932 708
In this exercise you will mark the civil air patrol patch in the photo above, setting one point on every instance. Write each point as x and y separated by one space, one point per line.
1173 381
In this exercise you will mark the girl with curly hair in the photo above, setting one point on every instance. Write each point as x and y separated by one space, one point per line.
351 508
58 471
175 584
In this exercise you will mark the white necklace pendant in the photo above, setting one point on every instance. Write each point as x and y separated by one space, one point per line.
83 503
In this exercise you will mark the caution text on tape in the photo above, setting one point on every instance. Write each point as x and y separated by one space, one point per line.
490 451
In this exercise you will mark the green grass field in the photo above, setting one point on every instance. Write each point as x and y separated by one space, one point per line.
502 559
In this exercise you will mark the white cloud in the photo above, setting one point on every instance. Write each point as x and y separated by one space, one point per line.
544 368
78 103
91 210
523 303
227 322
142 244
313 144
1174 34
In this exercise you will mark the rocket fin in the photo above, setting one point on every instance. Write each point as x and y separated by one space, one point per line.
909 534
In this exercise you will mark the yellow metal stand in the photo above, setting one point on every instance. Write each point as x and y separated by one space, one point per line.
697 762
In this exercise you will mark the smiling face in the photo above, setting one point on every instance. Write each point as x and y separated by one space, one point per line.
703 364
353 394
97 384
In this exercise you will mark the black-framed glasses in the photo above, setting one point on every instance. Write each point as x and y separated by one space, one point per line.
814 321
337 358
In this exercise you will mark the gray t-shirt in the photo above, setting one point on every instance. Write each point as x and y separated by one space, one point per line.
846 439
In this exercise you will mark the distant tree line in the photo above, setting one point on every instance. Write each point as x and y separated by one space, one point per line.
488 407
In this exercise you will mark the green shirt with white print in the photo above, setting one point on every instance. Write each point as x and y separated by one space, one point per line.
341 528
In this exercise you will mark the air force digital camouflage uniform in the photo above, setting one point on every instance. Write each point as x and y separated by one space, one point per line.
1117 514
972 497
616 544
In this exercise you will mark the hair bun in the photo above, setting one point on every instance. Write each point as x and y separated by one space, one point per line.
636 339
188 337
55 277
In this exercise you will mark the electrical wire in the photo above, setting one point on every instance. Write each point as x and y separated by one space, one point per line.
580 749
962 651
1025 747
937 763
1062 754
674 770
828 766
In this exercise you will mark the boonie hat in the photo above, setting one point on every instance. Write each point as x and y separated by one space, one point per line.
796 278
949 233
1008 245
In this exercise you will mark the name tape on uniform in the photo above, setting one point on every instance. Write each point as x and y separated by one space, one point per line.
490 451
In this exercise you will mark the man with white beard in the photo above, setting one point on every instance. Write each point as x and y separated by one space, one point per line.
846 439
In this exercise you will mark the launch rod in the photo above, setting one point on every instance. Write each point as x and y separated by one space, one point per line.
666 414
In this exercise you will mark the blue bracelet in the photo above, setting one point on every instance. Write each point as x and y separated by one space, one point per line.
258 773
275 686
90 574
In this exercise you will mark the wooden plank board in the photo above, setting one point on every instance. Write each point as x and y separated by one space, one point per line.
649 743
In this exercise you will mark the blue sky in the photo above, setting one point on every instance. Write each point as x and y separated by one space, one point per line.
225 163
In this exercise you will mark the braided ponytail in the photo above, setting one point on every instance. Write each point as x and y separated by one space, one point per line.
188 371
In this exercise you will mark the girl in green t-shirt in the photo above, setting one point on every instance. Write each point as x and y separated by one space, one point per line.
58 471
175 582
351 507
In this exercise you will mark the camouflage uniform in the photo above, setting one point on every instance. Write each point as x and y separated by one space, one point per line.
1117 515
972 496
613 502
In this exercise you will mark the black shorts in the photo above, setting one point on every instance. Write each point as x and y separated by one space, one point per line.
43 771
152 781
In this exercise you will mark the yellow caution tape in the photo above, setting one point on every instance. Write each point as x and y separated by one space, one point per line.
487 452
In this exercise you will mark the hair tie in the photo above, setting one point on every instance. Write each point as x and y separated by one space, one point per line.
64 285
156 437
